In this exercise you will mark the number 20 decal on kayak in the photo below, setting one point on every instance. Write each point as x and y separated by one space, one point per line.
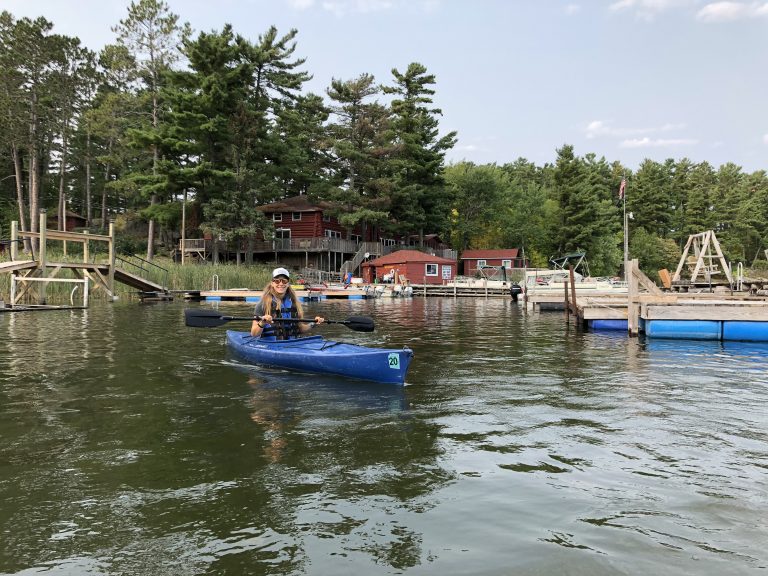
394 361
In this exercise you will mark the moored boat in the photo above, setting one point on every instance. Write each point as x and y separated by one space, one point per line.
318 355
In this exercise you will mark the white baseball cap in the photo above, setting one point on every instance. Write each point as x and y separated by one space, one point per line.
280 272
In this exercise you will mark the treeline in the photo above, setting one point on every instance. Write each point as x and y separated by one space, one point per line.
165 114
574 204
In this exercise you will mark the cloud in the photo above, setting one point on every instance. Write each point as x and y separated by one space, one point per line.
599 129
301 4
573 9
343 7
765 138
648 9
657 143
731 11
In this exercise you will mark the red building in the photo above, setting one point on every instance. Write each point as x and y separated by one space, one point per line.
72 221
409 265
308 235
475 260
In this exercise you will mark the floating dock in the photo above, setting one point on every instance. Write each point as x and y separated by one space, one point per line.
687 316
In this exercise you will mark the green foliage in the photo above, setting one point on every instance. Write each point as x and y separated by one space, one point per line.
167 215
653 252
129 245
477 196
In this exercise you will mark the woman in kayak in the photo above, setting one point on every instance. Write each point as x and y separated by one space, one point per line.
278 300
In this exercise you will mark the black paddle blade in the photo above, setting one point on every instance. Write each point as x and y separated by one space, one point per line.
204 318
360 323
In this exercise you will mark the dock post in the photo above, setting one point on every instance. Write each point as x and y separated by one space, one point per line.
14 240
42 255
112 258
633 308
573 289
566 304
85 249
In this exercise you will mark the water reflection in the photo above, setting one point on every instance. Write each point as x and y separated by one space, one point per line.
134 445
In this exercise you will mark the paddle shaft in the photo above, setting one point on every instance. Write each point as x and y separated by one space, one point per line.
211 319
285 320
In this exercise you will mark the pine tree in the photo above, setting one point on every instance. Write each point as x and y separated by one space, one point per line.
152 34
419 195
361 147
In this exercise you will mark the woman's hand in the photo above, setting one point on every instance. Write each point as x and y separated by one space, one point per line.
258 325
319 319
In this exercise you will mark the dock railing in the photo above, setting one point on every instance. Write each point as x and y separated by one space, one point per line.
144 269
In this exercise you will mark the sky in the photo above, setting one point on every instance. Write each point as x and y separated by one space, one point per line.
626 80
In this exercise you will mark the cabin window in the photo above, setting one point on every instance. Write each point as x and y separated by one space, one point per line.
480 264
430 269
277 217
506 263
326 217
387 242
356 238
296 216
333 234
283 233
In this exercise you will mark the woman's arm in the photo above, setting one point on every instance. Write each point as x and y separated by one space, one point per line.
257 326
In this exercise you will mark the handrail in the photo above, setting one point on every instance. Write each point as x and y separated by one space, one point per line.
370 248
144 272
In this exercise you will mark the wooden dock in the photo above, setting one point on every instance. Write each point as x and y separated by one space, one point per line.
30 278
456 290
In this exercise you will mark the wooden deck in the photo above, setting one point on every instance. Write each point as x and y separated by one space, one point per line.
16 265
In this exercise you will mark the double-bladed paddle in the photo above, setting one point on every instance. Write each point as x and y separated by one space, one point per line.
212 318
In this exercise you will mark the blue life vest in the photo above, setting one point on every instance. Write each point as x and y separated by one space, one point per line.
280 330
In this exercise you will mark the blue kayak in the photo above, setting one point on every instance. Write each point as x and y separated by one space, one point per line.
316 354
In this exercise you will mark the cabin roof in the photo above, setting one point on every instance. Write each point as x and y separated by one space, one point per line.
300 203
405 256
486 254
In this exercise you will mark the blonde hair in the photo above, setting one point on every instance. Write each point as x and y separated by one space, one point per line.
269 294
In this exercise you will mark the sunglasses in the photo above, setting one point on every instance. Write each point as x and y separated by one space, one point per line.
280 281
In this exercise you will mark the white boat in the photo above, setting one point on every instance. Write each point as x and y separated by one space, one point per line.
553 281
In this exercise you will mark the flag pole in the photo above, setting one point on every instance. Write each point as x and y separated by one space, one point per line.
623 193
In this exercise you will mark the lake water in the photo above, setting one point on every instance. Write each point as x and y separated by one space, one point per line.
131 444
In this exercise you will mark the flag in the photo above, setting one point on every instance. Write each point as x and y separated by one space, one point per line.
621 188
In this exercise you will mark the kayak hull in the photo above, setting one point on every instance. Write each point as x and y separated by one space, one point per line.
321 356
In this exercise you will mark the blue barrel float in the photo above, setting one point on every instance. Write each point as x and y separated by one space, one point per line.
609 325
734 330
684 329
745 331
